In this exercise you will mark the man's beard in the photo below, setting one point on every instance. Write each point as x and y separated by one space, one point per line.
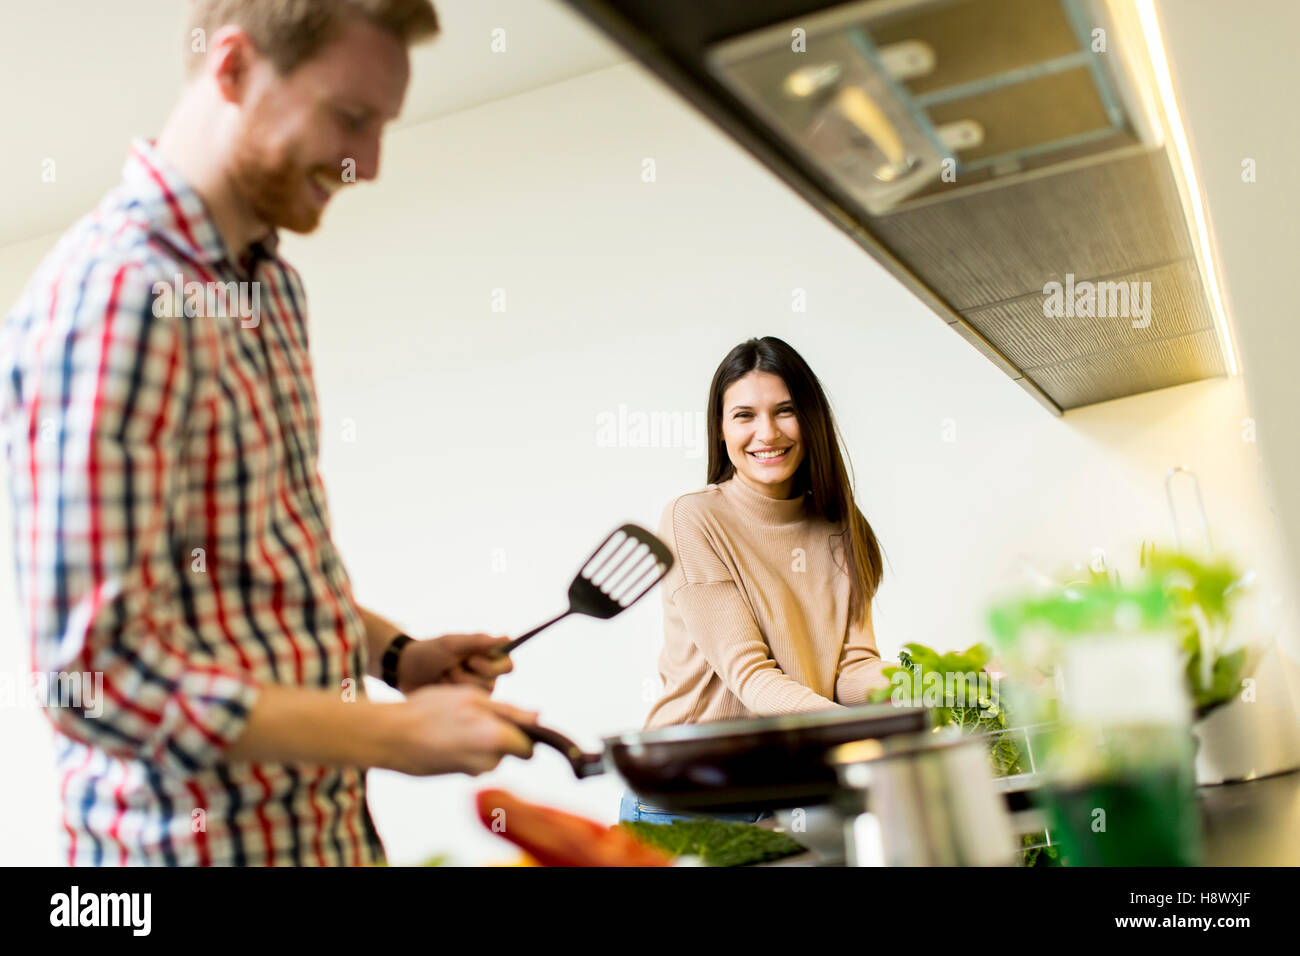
272 184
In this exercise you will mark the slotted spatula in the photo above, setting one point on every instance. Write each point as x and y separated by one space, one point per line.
619 573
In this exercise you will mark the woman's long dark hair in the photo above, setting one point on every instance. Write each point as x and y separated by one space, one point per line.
822 475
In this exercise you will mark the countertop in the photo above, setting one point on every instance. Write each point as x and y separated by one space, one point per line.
1255 823
1252 823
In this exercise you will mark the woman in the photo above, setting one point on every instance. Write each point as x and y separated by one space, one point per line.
767 610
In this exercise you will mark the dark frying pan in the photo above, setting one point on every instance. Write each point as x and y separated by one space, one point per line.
761 764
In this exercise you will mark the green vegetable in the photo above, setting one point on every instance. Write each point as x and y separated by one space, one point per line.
985 715
980 709
716 842
1034 855
1202 597
1177 593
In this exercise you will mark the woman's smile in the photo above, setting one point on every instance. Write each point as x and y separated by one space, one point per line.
770 456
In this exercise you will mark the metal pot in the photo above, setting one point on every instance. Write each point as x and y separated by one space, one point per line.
922 800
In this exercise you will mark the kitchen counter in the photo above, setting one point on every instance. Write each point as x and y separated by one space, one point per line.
1254 823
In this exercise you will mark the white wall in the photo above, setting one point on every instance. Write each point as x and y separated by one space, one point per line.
1230 115
476 431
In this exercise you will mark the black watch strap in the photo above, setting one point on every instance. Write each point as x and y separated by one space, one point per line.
388 666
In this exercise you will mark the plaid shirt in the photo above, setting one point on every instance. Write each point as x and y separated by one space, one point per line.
172 536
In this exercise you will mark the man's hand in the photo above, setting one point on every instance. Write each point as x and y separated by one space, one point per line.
454 729
452 659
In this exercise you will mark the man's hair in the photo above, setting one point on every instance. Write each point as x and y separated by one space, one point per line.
290 32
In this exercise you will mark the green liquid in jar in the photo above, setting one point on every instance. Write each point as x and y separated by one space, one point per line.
1151 818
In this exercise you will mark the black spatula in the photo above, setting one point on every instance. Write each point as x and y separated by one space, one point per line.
619 573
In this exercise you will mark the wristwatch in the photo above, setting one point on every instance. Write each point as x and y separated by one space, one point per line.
388 666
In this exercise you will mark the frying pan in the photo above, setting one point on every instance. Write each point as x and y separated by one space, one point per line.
763 763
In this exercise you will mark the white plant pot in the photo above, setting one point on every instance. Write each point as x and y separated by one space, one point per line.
1247 738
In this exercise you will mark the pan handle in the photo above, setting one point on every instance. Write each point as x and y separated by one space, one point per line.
584 764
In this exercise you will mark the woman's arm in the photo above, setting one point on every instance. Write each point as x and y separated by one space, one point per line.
860 665
719 621
703 601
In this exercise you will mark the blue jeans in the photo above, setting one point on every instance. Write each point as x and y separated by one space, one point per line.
633 808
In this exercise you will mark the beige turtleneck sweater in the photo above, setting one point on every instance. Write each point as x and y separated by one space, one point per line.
756 612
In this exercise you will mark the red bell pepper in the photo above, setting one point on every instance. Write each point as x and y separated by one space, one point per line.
555 838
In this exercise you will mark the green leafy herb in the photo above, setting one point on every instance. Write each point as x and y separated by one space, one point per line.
979 709
1193 598
1037 855
716 842
1202 596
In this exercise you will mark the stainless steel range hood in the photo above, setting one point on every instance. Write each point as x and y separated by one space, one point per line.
1008 160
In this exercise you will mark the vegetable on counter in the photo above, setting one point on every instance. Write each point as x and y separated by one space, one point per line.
978 711
921 669
556 838
716 842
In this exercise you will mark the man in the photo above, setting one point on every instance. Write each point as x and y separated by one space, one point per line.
171 530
